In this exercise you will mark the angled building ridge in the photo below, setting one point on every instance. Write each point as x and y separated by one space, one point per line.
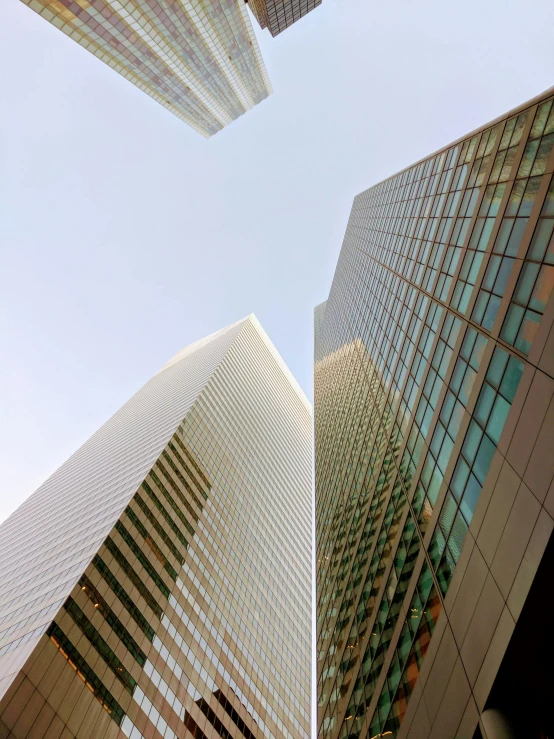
198 344
198 60
160 580
434 509
280 361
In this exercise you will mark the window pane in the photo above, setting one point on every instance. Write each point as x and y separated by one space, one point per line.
436 548
484 457
540 120
466 295
471 496
528 158
540 240
478 351
549 256
445 361
549 128
527 331
434 486
456 420
498 195
466 265
484 404
505 141
447 514
518 129
490 312
487 198
468 343
503 235
498 418
492 271
425 583
467 385
503 275
515 198
477 230
526 282
457 537
446 571
447 407
511 379
445 453
548 207
542 155
458 375
480 306
508 163
497 367
475 267
471 442
512 323
485 234
543 289
459 478
529 196
438 436
516 236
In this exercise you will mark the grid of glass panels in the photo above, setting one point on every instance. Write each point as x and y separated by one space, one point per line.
200 60
419 314
40 561
535 282
278 16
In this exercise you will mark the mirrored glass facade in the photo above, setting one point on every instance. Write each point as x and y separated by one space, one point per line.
277 15
434 408
159 583
198 58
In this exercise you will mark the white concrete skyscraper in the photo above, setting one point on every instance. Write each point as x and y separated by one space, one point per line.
159 583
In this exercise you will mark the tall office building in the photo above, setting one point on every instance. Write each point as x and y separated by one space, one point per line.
434 421
277 15
198 58
159 583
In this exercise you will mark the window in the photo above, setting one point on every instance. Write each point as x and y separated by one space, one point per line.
535 282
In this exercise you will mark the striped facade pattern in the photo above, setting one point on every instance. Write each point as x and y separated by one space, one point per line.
198 58
185 609
278 15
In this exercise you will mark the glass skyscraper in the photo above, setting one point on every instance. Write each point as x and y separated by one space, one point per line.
159 583
278 15
198 58
434 420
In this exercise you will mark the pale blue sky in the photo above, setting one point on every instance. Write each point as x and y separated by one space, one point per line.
124 235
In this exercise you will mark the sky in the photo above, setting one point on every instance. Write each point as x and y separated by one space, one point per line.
124 235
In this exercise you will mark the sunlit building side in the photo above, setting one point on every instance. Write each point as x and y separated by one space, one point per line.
434 419
198 58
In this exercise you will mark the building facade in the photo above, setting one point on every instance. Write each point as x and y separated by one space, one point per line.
198 58
277 15
159 583
434 420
